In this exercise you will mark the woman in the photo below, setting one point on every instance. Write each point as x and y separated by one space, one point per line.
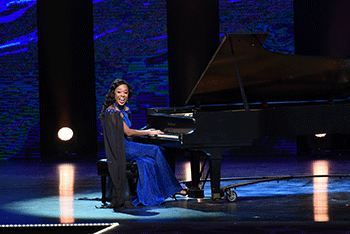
156 179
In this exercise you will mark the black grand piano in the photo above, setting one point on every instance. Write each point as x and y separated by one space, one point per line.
247 92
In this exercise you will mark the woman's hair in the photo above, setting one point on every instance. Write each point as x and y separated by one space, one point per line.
110 97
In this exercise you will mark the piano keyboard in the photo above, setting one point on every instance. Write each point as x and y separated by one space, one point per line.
176 131
168 136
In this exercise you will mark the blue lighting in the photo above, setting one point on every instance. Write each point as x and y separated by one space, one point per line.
130 43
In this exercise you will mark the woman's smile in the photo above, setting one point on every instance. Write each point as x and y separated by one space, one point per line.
121 94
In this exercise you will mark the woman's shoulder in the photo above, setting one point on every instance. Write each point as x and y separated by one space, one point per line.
113 109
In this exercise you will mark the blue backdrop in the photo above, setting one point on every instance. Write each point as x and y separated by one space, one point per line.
130 43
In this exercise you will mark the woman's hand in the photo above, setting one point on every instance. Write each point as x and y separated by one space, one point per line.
154 132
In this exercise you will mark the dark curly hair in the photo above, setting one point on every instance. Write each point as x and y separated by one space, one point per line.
110 97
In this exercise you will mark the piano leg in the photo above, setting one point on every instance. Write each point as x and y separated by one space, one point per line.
194 189
215 172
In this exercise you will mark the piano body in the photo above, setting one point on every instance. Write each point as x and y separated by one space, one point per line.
247 92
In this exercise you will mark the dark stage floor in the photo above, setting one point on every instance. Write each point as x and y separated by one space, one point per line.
61 196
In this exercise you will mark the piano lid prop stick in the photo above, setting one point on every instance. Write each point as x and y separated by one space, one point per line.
244 98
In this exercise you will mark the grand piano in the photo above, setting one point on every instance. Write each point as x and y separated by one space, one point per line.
247 92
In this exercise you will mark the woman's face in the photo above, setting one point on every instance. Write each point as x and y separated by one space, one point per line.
121 94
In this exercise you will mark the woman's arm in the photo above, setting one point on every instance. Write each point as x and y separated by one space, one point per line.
129 132
134 133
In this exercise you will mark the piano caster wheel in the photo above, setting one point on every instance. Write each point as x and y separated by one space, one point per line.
231 195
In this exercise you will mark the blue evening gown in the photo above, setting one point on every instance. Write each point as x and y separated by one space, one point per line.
156 180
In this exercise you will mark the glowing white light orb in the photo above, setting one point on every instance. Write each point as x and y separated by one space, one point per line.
65 134
320 135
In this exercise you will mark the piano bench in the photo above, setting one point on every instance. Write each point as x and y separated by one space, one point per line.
131 175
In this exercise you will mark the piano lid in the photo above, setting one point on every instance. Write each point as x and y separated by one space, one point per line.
267 76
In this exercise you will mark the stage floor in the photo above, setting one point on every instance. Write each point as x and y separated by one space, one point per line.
62 195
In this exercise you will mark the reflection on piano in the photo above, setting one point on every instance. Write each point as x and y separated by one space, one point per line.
247 92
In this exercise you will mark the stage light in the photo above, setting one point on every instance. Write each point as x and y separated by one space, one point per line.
66 142
65 134
320 141
320 135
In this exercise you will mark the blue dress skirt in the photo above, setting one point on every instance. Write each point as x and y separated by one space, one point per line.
156 180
